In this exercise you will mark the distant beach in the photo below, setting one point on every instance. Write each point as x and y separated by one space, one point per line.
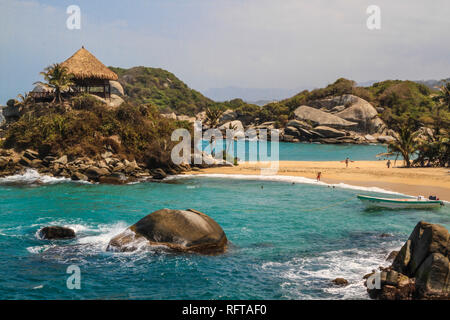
409 181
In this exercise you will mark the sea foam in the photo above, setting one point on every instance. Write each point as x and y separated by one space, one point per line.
299 275
285 179
31 176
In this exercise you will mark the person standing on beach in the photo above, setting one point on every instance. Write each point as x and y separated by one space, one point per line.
388 163
347 160
318 176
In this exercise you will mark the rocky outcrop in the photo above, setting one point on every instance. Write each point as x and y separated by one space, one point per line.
321 118
180 230
227 116
56 233
186 118
340 119
333 102
113 102
364 114
235 125
329 132
421 270
116 88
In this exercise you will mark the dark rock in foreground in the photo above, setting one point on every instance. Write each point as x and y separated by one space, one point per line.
421 270
56 233
180 230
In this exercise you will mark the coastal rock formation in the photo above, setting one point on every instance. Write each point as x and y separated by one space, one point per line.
322 118
116 88
335 103
235 125
421 270
340 119
180 230
363 113
329 132
56 233
227 116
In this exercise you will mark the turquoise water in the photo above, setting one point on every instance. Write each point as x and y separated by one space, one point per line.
306 151
287 241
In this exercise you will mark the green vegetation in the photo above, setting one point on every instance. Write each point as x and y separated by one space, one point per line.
405 144
145 85
406 107
134 132
57 78
213 115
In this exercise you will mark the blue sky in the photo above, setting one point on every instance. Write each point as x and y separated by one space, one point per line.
220 43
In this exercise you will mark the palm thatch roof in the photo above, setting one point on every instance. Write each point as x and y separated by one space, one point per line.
84 65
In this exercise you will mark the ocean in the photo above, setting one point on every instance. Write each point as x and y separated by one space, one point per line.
289 236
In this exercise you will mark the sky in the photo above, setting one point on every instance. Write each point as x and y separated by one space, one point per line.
285 44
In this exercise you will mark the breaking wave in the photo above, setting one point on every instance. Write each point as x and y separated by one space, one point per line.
311 277
286 179
31 177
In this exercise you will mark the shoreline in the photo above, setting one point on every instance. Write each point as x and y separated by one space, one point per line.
408 181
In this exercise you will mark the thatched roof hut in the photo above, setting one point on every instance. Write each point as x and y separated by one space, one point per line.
89 73
84 65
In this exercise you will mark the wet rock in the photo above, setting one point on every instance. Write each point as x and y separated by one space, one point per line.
94 172
385 235
340 282
421 269
78 176
113 178
180 230
56 232
158 174
392 256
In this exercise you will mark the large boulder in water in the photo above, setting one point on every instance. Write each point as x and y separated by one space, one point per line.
56 233
180 230
421 270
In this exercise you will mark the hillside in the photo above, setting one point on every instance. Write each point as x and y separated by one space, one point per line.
144 85
394 99
83 139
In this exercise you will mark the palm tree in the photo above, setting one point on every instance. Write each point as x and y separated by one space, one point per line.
24 98
58 78
213 116
405 143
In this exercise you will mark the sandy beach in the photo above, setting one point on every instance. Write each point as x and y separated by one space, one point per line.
410 181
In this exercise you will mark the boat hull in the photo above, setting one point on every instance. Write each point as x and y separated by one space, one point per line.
373 202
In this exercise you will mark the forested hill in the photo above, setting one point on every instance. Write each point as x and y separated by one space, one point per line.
161 88
394 99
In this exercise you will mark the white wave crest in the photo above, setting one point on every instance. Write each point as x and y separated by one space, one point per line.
286 179
31 176
103 234
300 275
